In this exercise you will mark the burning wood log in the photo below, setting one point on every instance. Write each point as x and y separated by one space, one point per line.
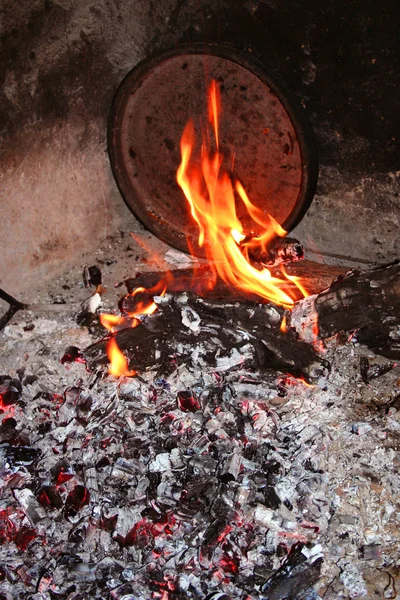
200 280
364 302
228 335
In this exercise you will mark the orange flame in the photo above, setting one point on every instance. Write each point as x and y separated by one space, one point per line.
118 362
211 196
214 106
145 307
297 282
110 322
283 327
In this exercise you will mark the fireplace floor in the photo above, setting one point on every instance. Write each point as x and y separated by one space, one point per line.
135 488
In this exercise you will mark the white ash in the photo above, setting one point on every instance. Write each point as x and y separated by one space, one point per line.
189 504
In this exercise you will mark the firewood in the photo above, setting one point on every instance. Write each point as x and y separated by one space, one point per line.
364 302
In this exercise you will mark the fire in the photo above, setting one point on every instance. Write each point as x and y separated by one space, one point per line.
144 307
111 322
212 198
283 326
297 282
118 362
212 195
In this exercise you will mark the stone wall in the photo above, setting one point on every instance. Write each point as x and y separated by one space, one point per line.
61 63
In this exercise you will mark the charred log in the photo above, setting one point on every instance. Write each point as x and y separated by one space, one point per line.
364 302
201 280
228 335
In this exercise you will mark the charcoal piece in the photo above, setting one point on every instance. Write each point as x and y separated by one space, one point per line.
202 279
31 507
76 500
29 379
364 368
214 533
84 403
62 472
92 276
280 251
376 371
10 391
8 429
271 498
24 537
140 535
187 402
19 455
125 469
14 307
371 552
296 576
395 402
72 354
49 497
231 467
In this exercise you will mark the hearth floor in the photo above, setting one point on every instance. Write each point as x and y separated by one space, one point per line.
111 488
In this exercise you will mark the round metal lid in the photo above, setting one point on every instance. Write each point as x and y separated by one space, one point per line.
264 134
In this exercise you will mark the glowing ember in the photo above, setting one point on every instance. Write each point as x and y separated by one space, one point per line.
118 362
210 193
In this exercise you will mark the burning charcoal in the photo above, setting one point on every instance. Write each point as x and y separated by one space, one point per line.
187 401
72 354
10 391
216 532
127 517
49 497
62 472
30 505
92 276
24 537
76 500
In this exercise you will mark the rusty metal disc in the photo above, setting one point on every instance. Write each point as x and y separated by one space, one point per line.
264 134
